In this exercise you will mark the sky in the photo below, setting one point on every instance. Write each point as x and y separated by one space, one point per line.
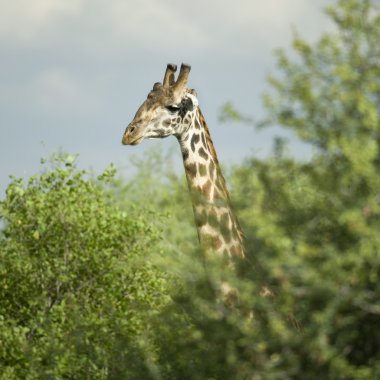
74 72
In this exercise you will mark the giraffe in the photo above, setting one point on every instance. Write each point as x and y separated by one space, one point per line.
172 109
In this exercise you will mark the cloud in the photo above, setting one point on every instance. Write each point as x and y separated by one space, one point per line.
60 92
94 24
24 22
52 92
123 28
156 25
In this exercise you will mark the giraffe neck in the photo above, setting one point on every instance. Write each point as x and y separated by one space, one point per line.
218 228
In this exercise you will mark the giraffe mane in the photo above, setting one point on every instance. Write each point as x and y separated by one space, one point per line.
220 174
213 152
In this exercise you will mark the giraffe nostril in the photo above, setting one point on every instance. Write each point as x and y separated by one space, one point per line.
131 128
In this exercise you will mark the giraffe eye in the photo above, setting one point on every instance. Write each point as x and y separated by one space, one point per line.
172 108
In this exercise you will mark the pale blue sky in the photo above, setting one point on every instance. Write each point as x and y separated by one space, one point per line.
73 72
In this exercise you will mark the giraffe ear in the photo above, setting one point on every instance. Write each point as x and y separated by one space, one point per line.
192 92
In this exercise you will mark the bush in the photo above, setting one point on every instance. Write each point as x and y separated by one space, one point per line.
78 289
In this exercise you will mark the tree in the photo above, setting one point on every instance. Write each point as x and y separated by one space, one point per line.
313 227
77 290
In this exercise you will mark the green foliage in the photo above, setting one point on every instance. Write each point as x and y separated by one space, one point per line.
317 245
229 113
313 227
157 187
330 95
77 288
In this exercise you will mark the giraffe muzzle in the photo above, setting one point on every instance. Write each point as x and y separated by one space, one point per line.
131 136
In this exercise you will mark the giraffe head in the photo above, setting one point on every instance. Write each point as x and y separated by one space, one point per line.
168 110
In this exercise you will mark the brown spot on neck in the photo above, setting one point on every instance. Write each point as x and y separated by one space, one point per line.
202 169
191 169
206 189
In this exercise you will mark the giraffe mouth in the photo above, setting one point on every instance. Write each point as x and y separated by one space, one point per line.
135 141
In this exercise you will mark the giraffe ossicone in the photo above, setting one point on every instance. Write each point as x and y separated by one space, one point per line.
171 108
